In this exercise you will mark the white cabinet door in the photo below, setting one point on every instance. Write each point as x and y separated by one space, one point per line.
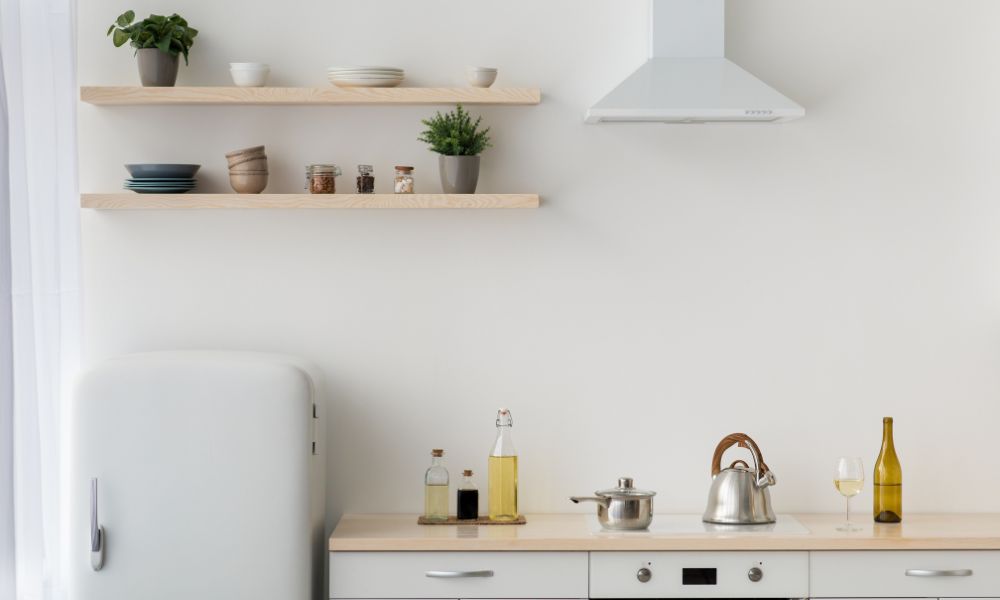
905 573
359 575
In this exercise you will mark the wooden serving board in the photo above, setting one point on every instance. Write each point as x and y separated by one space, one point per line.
453 520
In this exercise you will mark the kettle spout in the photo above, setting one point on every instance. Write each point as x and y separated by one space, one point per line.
765 480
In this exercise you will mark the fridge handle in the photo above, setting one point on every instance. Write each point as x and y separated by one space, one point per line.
97 537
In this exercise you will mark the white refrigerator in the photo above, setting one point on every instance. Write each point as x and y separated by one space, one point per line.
196 475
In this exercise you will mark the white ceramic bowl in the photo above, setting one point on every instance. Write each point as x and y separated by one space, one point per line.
250 66
480 76
249 77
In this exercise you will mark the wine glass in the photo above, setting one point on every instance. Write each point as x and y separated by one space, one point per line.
848 478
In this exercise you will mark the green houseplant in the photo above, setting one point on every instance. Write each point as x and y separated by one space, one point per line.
158 41
459 141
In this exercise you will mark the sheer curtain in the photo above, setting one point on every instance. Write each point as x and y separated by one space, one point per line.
39 287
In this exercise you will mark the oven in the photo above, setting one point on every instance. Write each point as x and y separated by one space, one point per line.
736 574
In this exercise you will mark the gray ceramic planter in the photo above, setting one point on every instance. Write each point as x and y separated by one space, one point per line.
156 68
459 174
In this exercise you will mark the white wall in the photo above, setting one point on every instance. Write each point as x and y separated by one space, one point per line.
796 282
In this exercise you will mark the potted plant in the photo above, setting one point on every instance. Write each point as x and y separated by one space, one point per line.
459 141
158 41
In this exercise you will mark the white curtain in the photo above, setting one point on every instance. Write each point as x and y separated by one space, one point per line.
39 287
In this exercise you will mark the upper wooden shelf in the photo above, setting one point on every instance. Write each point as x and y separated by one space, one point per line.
330 95
130 200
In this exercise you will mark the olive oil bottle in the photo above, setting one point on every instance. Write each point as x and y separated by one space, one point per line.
436 488
503 472
888 492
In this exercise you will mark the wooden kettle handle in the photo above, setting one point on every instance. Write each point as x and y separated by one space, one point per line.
743 441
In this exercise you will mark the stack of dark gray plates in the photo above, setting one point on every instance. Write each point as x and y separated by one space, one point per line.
161 178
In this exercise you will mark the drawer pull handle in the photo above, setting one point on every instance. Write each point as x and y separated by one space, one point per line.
458 574
939 572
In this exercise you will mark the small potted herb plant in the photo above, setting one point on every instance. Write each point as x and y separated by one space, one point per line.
459 141
158 42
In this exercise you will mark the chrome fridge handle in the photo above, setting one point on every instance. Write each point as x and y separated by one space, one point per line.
939 572
96 531
458 574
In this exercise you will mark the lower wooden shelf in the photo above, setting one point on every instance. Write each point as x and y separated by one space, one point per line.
131 200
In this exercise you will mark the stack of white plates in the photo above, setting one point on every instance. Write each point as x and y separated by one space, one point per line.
365 76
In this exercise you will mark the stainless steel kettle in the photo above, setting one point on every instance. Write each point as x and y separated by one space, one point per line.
739 495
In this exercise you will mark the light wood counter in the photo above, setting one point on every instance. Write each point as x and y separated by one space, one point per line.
563 532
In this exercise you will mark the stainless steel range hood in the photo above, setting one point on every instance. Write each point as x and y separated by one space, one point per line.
687 78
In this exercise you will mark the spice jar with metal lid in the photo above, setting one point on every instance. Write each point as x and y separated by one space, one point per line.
321 179
404 180
366 180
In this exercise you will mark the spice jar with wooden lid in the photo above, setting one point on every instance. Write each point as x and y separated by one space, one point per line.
404 180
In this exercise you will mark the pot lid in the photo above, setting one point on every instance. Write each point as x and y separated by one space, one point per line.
626 488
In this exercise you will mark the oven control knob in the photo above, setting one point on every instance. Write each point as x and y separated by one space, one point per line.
755 574
644 575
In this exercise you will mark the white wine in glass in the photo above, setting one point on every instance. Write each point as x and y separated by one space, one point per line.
848 478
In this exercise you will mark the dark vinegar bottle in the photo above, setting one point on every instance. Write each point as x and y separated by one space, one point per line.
468 498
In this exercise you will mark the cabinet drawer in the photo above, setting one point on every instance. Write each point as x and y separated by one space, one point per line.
699 574
458 574
905 573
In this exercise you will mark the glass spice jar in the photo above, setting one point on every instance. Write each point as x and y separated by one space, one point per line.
366 181
404 180
322 179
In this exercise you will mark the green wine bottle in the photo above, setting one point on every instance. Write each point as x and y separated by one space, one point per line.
888 496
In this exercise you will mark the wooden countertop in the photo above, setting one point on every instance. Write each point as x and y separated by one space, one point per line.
576 532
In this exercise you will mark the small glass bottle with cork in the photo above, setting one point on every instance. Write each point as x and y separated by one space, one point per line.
436 488
468 498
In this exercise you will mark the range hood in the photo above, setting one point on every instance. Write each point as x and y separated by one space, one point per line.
688 79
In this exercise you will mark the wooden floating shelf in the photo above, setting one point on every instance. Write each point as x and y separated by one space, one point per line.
330 95
129 201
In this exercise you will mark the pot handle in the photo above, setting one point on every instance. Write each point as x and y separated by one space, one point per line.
743 441
597 499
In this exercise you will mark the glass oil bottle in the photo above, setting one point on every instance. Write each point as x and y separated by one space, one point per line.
468 498
436 488
503 471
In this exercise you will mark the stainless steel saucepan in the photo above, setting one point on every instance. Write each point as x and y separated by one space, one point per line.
623 507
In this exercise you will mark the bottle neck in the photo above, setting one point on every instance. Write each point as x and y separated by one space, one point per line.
887 443
436 461
504 444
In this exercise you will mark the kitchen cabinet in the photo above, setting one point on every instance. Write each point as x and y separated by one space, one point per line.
944 557
458 575
919 574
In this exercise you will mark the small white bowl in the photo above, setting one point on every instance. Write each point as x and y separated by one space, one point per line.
250 77
250 66
480 76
